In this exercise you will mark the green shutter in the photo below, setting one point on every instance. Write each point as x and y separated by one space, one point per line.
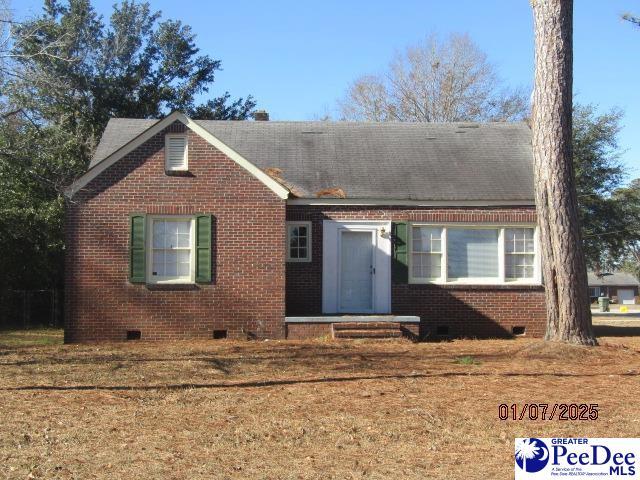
203 248
399 266
137 260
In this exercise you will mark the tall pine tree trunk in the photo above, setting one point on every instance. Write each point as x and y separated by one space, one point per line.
564 269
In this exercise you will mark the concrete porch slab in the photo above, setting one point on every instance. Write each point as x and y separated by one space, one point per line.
354 318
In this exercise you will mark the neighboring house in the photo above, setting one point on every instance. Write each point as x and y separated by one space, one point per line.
621 287
201 229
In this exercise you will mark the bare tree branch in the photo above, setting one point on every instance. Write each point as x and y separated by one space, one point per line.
435 82
11 43
631 18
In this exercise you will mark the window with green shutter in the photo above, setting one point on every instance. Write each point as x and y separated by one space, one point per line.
203 248
137 254
170 249
399 261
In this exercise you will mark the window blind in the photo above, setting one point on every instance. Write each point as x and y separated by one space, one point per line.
472 253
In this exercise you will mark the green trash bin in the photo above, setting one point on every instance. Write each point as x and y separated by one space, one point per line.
604 303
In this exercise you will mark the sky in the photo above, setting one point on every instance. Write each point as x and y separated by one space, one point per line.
297 58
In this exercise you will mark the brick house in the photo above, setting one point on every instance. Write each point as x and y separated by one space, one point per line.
208 229
621 287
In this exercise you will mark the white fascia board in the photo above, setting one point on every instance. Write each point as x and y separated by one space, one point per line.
274 186
409 203
157 127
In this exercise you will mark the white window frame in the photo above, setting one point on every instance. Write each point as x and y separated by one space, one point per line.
169 136
517 254
443 239
290 227
185 280
501 279
596 291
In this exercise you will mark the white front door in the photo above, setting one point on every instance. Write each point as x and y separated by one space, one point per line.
356 266
625 296
356 271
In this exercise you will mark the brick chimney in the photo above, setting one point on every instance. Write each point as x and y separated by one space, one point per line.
261 116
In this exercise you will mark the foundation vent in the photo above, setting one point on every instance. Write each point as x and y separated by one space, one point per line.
134 335
219 334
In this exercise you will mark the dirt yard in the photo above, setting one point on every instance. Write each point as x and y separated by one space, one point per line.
271 410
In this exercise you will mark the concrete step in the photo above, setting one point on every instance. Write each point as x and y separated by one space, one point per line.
366 326
367 333
338 318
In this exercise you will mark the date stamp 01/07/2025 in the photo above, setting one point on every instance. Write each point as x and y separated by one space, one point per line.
548 411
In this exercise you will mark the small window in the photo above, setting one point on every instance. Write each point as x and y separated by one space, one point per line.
519 253
594 291
176 153
298 241
426 253
172 250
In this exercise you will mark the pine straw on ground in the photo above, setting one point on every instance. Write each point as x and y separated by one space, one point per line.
189 410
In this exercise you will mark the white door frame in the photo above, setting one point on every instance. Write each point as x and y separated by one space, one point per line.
372 231
331 266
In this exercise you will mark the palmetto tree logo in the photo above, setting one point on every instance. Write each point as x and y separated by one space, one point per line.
532 455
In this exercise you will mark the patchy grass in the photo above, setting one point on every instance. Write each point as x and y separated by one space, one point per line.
466 360
36 336
298 409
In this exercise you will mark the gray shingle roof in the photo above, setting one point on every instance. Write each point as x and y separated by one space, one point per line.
401 161
615 279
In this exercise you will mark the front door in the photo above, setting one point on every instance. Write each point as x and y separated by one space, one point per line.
356 271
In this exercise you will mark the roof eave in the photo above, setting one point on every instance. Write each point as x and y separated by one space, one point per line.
406 202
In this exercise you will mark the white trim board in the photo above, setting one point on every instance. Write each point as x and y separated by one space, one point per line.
354 318
157 127
412 203
274 186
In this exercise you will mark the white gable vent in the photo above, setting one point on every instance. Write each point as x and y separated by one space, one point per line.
175 157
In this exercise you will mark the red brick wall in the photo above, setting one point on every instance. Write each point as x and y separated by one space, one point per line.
467 311
304 331
477 311
246 297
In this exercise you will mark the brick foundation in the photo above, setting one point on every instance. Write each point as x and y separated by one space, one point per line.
411 331
472 311
306 331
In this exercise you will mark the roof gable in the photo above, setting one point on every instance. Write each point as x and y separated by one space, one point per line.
126 143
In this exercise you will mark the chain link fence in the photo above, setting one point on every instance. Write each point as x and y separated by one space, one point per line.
31 308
